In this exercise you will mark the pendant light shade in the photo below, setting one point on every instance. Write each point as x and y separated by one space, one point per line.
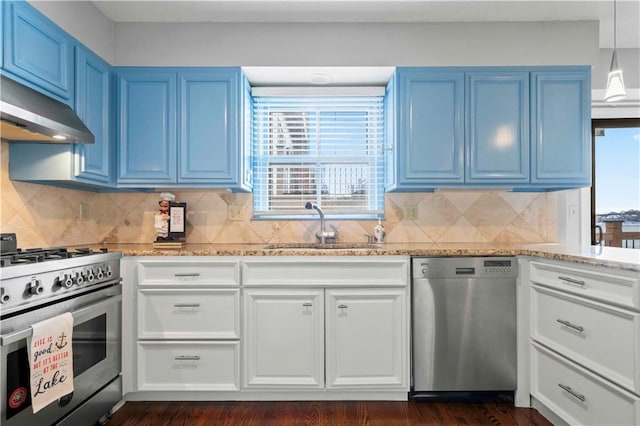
615 83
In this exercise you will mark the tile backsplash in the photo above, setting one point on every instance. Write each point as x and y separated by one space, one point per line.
44 216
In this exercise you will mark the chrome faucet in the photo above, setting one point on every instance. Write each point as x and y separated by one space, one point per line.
323 236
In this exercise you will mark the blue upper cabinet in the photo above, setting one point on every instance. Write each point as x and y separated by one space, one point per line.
37 52
146 127
390 151
86 166
94 162
561 128
497 128
510 127
430 128
211 127
182 127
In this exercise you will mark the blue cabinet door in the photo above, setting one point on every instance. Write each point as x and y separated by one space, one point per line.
561 128
430 131
497 127
37 52
209 116
94 162
390 143
146 127
246 138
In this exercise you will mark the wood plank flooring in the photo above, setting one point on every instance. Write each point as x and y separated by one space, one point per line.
326 413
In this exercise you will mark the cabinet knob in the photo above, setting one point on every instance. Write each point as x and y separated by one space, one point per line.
187 274
307 305
342 306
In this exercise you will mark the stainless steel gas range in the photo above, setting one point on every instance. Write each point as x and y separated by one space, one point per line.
38 284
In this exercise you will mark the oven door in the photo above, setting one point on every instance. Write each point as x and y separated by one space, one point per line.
96 356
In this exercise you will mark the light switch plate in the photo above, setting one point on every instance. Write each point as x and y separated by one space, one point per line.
411 212
85 211
234 212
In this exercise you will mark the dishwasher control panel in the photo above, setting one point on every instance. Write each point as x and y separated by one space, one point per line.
464 267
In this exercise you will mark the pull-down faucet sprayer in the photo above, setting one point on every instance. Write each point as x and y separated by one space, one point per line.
323 236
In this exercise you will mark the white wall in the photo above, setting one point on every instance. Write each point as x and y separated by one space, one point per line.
574 216
433 44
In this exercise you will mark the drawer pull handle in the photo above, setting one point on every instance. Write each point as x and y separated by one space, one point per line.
572 392
187 274
573 326
307 305
187 358
572 281
342 306
187 305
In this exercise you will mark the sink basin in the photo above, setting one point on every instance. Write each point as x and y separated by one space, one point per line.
317 246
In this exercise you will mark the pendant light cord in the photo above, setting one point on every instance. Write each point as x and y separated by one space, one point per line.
614 25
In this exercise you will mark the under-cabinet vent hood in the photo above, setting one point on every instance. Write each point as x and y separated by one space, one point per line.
29 116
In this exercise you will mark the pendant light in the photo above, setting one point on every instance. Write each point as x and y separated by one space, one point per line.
615 83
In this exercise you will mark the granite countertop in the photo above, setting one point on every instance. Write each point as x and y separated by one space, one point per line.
619 258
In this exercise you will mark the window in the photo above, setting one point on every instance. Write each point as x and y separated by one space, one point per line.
615 193
322 149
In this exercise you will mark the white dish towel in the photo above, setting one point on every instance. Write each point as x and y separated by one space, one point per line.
51 360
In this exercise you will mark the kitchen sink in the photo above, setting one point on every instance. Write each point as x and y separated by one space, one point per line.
318 246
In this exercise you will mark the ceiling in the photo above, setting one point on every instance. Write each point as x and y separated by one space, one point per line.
377 11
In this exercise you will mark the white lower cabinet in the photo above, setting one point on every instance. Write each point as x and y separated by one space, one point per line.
284 338
365 338
578 396
305 329
585 342
189 366
267 328
188 324
358 335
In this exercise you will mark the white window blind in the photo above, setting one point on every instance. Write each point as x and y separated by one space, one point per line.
323 149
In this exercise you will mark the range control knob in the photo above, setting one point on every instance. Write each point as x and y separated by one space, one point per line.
4 297
90 275
100 273
34 287
64 281
79 278
109 272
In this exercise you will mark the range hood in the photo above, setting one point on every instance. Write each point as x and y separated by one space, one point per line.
29 116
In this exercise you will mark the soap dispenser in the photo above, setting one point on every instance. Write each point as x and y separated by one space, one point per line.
378 232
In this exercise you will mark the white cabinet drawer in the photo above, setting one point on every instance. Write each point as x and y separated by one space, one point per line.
192 271
578 396
188 313
193 366
605 284
327 271
596 335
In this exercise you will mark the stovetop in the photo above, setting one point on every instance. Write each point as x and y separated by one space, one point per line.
33 277
36 255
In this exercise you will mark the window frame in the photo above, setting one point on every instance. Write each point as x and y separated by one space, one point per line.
372 161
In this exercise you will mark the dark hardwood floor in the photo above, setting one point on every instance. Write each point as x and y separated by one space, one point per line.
330 413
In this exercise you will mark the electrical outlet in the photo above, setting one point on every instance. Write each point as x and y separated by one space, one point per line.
411 212
573 211
234 212
85 212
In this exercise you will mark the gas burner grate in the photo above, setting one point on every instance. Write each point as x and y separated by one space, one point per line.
37 255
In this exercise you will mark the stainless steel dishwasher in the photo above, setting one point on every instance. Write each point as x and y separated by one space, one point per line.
464 324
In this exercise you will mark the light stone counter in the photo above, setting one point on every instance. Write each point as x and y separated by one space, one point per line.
626 259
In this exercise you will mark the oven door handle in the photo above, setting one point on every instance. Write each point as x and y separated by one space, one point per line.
8 339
